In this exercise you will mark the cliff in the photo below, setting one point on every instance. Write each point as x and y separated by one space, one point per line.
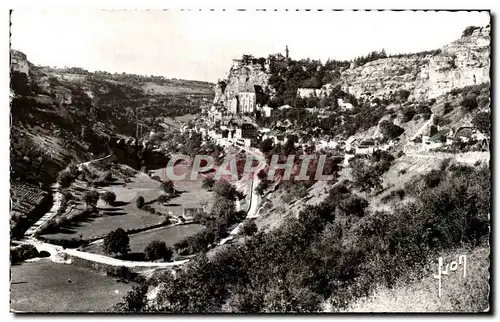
461 63
242 78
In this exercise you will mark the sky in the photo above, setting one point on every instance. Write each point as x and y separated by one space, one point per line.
200 45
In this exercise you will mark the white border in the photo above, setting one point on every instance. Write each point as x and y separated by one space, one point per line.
186 4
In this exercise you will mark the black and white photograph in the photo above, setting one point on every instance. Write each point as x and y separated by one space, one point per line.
250 161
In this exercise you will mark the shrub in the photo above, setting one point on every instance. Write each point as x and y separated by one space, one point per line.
469 30
139 202
482 121
158 250
447 108
483 101
262 187
208 183
441 120
354 205
109 197
469 103
225 189
390 130
266 145
64 179
408 113
163 198
168 187
22 253
117 242
249 228
90 198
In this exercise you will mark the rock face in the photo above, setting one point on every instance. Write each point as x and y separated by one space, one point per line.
19 62
242 78
463 62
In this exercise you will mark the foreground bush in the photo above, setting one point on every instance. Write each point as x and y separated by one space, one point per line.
22 253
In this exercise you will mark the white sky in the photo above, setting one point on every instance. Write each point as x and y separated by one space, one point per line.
200 45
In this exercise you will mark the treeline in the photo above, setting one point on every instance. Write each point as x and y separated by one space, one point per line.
131 78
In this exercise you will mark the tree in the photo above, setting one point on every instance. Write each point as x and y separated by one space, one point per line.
64 178
408 113
482 121
249 228
225 189
117 242
139 202
469 103
354 205
163 198
90 198
390 130
135 300
266 145
168 187
109 197
223 207
208 183
261 187
365 174
158 250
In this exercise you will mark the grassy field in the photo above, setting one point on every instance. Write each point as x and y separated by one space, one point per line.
125 214
170 235
43 286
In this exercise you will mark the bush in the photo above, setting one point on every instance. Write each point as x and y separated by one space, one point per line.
469 30
354 205
64 179
262 187
22 253
158 250
90 198
390 130
168 187
469 103
441 120
109 197
122 272
266 145
447 108
408 113
482 121
117 242
249 228
208 183
483 101
163 199
225 189
139 202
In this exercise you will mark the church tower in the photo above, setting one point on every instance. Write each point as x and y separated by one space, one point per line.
286 52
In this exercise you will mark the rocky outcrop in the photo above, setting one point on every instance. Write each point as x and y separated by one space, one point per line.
242 78
461 63
19 62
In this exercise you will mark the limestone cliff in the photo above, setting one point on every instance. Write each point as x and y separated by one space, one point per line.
458 64
242 78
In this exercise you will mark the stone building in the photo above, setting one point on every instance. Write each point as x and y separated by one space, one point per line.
247 102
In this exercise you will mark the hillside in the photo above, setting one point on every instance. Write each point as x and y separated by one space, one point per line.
68 114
